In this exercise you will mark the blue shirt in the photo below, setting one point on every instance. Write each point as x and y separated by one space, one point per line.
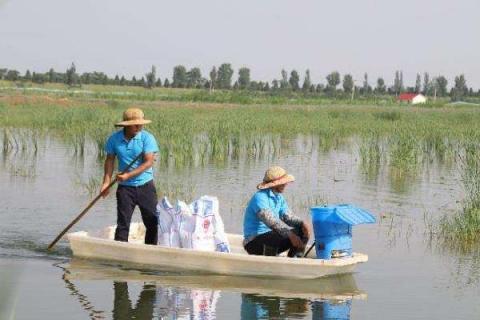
263 199
127 150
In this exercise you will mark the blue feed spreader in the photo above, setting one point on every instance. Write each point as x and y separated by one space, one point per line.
332 226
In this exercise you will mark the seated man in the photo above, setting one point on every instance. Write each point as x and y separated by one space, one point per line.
268 226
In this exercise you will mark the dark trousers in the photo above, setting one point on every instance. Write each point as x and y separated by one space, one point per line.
145 196
272 243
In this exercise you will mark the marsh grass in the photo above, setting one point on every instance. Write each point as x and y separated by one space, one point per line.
462 229
388 115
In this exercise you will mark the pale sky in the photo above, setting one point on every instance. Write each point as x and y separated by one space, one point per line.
351 36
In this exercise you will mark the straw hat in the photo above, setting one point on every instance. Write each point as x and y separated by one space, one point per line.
131 117
275 176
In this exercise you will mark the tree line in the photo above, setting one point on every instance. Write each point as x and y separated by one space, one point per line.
223 78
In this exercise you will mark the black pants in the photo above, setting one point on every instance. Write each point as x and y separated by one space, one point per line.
272 243
145 196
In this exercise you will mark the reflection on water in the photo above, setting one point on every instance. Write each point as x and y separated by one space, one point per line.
180 296
270 307
122 305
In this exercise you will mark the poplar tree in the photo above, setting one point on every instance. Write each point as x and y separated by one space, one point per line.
294 80
460 88
418 83
333 80
28 76
243 78
348 83
224 76
194 78
71 76
426 83
441 83
151 78
213 78
179 77
284 81
380 88
366 87
307 83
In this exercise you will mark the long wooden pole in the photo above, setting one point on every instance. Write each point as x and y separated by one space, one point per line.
90 205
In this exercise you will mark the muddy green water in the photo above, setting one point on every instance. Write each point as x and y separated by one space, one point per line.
407 276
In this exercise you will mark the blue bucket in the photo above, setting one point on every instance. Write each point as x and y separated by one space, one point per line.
332 228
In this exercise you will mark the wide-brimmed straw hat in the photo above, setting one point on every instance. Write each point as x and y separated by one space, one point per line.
131 117
275 176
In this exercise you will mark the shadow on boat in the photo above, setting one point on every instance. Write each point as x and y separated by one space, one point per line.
186 296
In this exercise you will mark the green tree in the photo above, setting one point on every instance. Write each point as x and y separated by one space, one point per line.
28 76
158 83
284 82
307 82
39 78
3 72
224 76
294 80
426 83
275 85
333 80
441 82
123 81
194 78
348 83
179 77
243 78
71 76
460 88
166 83
418 83
12 75
151 78
213 78
398 83
380 88
366 89
52 76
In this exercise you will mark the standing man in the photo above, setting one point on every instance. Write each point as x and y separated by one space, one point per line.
136 186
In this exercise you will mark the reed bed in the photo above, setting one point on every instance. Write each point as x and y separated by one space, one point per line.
461 231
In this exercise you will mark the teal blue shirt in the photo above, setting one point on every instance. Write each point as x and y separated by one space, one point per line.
127 150
262 200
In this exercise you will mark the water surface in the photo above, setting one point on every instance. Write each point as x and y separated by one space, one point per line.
407 275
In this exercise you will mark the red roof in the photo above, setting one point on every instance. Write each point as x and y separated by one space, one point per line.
407 96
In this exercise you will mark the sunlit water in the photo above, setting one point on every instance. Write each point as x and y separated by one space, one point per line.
406 277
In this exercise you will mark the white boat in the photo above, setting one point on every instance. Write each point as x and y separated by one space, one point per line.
100 245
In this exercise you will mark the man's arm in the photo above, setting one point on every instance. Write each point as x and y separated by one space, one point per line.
148 160
273 223
279 227
295 221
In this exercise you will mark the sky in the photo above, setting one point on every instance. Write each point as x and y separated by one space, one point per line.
350 36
